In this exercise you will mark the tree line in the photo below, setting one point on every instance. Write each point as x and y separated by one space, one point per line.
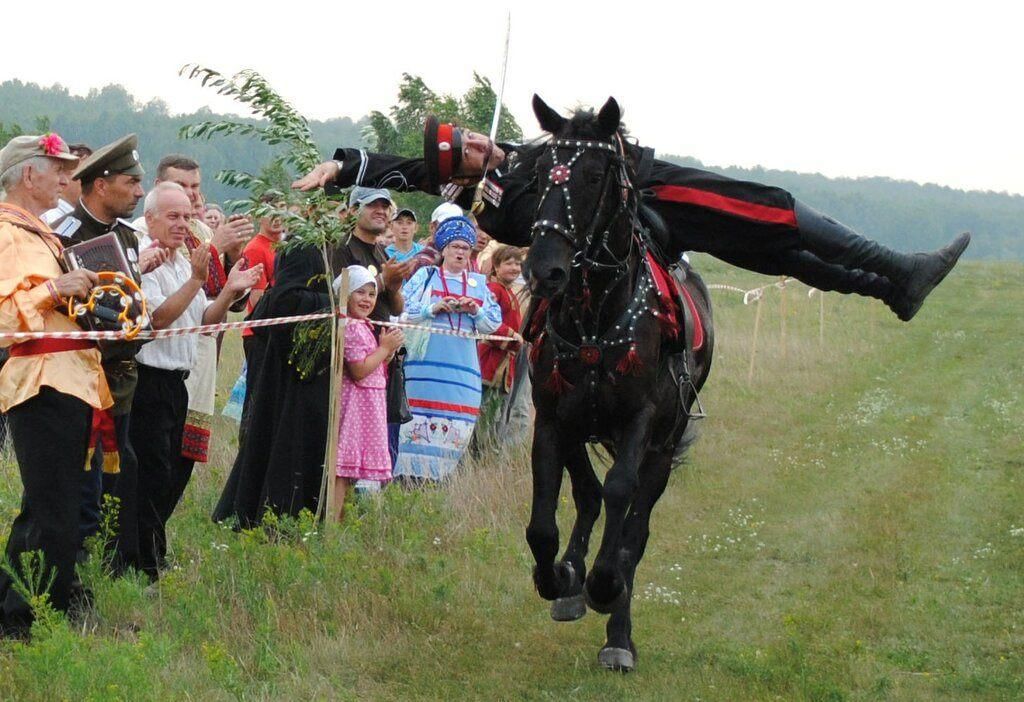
904 214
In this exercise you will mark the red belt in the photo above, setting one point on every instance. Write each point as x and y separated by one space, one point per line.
36 347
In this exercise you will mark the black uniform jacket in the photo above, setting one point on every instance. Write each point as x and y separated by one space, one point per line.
118 356
703 211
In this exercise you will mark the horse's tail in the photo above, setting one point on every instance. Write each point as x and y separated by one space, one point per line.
690 435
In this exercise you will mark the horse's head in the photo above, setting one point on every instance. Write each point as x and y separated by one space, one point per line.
584 197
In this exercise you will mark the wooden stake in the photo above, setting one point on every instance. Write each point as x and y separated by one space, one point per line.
753 342
327 510
782 315
821 319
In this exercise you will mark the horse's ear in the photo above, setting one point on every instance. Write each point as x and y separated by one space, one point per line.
550 121
609 117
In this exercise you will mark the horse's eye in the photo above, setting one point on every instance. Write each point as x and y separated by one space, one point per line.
594 178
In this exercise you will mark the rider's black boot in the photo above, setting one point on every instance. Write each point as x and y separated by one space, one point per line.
912 276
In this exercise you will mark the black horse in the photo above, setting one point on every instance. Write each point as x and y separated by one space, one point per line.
610 365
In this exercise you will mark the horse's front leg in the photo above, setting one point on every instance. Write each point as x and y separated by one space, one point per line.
619 651
605 587
586 494
548 459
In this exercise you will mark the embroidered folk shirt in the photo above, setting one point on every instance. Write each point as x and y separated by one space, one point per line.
29 256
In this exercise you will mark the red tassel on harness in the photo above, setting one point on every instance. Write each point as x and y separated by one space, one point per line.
585 299
630 363
557 382
669 326
535 348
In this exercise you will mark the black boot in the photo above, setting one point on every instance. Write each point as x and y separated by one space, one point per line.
809 269
913 276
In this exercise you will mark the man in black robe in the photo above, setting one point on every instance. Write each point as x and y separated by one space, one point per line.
758 227
279 466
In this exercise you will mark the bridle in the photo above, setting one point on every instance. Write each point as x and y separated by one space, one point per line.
590 249
593 254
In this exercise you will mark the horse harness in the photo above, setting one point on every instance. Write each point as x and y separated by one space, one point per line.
593 345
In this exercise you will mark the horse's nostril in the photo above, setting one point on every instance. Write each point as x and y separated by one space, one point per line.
556 275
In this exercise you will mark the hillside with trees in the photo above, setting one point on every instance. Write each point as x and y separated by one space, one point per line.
111 112
908 215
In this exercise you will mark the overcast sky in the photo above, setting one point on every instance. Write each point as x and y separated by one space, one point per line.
924 91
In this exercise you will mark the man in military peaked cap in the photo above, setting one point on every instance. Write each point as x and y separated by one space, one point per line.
111 181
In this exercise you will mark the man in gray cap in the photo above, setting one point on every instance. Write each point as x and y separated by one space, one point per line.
373 208
50 386
111 181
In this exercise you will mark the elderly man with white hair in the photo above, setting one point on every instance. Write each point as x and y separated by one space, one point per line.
49 386
174 291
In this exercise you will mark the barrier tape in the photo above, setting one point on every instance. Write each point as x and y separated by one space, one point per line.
444 332
225 326
754 294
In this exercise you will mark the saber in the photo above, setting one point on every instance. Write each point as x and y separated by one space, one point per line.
478 194
504 72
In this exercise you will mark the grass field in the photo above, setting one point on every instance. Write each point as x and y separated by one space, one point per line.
849 527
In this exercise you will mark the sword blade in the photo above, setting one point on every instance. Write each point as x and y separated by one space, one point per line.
501 85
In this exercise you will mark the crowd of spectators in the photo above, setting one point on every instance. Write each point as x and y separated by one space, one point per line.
130 419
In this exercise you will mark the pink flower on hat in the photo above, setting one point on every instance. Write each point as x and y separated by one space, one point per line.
52 144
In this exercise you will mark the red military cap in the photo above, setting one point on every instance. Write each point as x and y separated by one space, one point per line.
442 151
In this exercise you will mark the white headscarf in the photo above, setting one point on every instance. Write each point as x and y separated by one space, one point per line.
358 276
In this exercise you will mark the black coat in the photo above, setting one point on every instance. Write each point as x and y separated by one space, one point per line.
280 464
703 211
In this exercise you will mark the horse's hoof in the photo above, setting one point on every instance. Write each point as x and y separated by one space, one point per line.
619 601
568 609
619 659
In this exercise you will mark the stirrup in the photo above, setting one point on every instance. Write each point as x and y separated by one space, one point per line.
700 413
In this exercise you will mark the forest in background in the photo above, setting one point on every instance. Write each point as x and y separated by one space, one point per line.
908 215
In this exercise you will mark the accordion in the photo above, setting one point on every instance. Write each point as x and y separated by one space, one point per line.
116 304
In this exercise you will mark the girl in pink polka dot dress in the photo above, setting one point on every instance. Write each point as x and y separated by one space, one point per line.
363 433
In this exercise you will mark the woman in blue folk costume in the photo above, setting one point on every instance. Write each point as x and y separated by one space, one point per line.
443 372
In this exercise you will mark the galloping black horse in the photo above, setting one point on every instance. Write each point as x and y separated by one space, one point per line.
610 365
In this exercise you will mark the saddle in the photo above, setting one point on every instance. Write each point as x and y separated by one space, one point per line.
678 311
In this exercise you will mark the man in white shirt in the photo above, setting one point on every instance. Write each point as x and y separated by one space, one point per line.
174 293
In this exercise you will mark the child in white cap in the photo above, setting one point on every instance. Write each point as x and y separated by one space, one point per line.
362 433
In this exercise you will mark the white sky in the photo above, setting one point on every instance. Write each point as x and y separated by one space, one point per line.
924 91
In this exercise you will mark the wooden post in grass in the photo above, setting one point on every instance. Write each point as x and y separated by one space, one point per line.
753 342
821 319
782 313
334 412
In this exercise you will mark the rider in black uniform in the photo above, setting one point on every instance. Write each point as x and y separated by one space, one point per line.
750 225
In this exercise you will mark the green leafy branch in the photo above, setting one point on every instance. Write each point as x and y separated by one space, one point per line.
314 222
311 219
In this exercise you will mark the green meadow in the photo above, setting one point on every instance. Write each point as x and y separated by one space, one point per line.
850 526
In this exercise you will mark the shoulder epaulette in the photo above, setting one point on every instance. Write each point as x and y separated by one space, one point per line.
126 223
67 226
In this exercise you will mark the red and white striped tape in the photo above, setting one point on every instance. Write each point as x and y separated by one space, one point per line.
754 294
225 326
751 295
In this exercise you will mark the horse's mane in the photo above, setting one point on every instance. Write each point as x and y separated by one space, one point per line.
583 123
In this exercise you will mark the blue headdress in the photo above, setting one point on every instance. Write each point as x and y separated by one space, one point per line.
454 228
